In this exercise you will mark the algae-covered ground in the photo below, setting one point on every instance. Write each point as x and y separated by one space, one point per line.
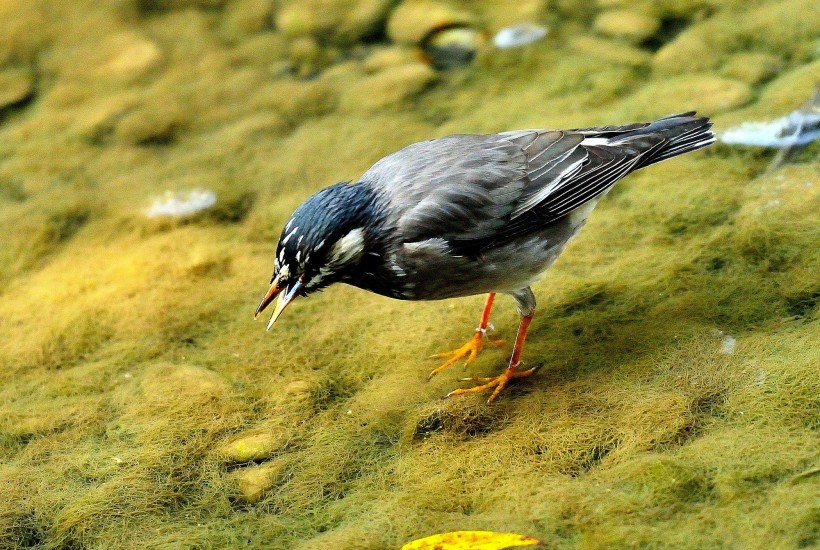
141 407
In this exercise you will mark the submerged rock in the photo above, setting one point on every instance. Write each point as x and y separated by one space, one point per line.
519 35
453 47
253 482
16 86
626 24
246 448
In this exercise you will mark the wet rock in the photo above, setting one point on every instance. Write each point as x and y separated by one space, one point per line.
702 92
16 86
340 22
252 447
135 57
628 25
413 21
253 482
453 47
751 67
389 87
613 52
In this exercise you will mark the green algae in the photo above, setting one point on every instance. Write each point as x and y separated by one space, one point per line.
130 368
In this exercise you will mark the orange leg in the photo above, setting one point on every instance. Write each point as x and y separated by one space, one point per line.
500 381
471 348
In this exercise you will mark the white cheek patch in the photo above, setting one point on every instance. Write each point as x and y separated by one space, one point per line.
347 249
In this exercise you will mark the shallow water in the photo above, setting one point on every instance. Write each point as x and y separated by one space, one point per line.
140 406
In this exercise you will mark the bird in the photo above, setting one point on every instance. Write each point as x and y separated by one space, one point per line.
467 214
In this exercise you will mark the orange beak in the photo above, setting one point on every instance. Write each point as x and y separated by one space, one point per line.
285 295
273 292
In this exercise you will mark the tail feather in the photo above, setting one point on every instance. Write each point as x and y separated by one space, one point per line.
683 133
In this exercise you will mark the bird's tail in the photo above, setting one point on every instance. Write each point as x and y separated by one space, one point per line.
683 133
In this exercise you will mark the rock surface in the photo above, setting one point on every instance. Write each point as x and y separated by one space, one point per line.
631 26
414 20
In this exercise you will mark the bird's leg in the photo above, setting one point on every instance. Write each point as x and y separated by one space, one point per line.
471 348
498 382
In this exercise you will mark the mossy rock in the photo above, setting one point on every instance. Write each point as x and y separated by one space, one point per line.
687 53
135 56
16 86
704 45
414 20
154 125
247 17
391 56
341 22
252 447
704 93
791 89
628 25
255 481
751 67
613 52
388 88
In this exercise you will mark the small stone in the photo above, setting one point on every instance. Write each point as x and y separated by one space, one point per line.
519 35
16 86
389 87
254 481
246 448
627 25
415 20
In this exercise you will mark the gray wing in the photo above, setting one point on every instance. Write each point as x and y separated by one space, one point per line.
455 188
473 190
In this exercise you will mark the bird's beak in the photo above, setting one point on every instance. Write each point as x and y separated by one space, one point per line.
286 296
273 292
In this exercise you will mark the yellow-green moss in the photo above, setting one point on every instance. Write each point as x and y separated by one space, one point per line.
140 405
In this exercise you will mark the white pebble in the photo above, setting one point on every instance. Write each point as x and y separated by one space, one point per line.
178 205
519 35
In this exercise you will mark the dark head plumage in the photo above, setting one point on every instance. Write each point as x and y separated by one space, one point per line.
323 239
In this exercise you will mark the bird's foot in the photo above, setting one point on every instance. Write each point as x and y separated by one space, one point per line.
469 350
497 382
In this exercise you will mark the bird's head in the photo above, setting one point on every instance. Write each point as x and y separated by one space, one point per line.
321 244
